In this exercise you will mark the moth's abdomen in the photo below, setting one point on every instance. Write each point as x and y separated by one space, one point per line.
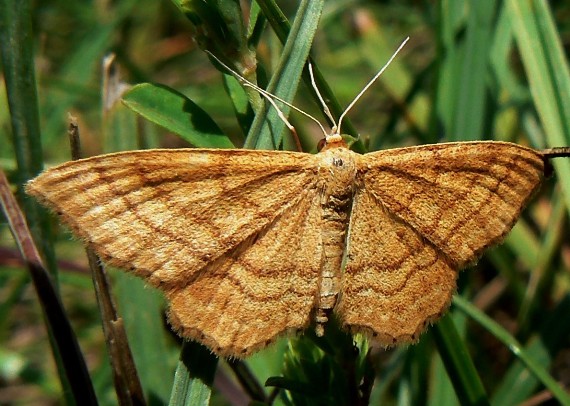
338 171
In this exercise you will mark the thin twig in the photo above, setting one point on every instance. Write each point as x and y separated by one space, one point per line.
127 383
559 152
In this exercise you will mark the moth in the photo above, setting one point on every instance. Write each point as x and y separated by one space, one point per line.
248 246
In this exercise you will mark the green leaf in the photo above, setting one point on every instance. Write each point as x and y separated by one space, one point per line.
240 102
177 113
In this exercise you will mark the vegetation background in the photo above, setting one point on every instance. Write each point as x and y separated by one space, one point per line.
472 70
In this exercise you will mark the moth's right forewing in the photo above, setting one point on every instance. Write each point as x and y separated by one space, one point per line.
166 214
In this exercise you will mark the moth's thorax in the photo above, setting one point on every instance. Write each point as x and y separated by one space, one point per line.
338 171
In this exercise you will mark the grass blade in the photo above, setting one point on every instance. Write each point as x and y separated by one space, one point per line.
533 365
64 340
548 75
17 48
458 363
267 129
194 376
281 26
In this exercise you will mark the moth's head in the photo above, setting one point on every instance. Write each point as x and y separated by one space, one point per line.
336 140
332 140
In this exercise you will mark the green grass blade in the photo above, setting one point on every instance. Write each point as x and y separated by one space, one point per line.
194 376
462 93
280 25
458 363
500 57
267 129
240 102
256 25
17 49
548 75
441 391
542 276
448 66
17 61
517 384
524 243
533 365
142 310
469 119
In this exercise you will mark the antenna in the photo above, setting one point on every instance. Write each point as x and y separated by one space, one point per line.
359 95
325 107
271 97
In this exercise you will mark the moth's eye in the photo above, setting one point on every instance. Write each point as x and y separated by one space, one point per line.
321 144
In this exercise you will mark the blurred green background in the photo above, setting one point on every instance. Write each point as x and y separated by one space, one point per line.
472 70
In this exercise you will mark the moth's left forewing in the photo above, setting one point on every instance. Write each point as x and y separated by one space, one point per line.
462 197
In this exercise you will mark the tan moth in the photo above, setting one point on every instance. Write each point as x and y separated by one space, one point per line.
249 245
